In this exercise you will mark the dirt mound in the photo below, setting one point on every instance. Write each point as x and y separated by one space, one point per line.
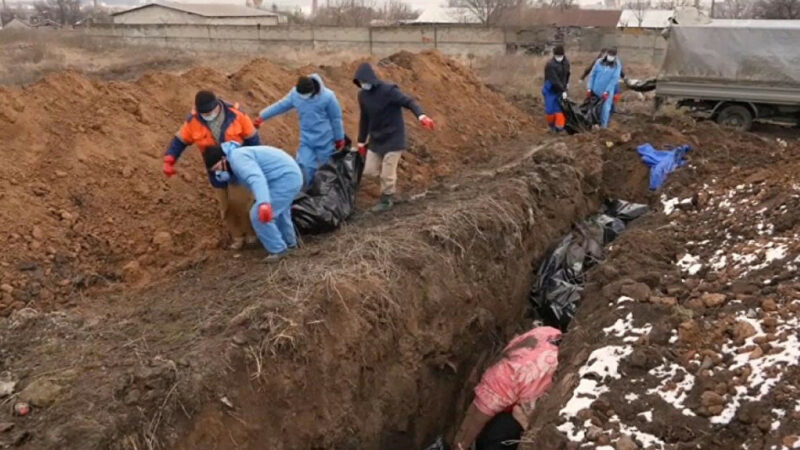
363 340
85 205
687 334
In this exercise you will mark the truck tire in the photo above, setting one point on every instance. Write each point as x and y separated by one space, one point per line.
735 116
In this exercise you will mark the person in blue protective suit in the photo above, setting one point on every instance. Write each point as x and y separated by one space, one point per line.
321 128
274 178
603 83
381 105
556 80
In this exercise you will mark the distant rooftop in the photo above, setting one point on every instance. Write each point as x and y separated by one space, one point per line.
207 10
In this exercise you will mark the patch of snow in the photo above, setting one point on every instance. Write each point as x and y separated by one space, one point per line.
675 397
669 205
624 299
777 253
623 327
690 264
648 415
631 397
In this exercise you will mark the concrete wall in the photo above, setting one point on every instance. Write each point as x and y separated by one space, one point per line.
158 15
461 40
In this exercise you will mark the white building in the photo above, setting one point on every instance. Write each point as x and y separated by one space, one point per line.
195 14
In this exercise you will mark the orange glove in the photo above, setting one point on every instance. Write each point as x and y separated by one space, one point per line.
426 122
257 123
339 144
265 213
169 166
605 95
362 150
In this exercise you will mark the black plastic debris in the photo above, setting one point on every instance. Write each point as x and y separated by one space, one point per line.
331 199
583 117
438 445
557 293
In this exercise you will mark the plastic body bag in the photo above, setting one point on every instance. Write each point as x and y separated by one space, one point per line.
557 293
331 199
662 162
582 117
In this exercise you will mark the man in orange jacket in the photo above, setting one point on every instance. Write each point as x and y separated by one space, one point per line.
211 123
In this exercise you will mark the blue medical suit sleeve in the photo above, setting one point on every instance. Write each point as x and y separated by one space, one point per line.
614 79
249 173
592 76
176 147
335 116
281 107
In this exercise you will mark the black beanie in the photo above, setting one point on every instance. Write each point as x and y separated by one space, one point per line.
212 155
558 50
205 102
305 85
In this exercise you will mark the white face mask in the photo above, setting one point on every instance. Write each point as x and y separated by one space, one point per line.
211 116
305 96
366 86
559 58
610 58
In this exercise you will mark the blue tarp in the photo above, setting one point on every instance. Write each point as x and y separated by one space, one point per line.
662 162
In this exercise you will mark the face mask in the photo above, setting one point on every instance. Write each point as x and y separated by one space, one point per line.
223 176
559 58
366 86
210 117
610 58
305 96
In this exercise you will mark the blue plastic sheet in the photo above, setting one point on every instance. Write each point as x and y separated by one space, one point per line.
662 162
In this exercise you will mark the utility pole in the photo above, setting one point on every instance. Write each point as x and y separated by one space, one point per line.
314 7
713 3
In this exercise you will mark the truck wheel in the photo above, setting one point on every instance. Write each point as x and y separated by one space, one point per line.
735 116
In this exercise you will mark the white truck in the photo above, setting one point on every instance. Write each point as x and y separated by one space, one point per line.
734 72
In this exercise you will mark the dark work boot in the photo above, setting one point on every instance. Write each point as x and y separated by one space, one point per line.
386 202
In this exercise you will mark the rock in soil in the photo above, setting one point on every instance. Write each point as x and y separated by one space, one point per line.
41 393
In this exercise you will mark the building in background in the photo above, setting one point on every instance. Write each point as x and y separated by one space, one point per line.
195 14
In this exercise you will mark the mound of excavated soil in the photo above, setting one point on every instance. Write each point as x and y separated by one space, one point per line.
84 202
687 336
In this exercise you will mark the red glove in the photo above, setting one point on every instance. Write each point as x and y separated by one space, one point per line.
362 150
605 95
426 122
589 93
265 213
257 123
169 166
339 144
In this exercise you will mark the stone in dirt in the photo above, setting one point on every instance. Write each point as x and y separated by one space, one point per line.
711 398
626 443
163 239
713 300
6 426
7 388
789 441
743 330
666 301
769 305
636 291
41 393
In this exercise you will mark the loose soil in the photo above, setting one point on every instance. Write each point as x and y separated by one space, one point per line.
85 206
687 333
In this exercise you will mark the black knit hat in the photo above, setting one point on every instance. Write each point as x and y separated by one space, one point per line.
305 85
205 102
558 50
212 155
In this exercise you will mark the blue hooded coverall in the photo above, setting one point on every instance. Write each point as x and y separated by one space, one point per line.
320 125
273 177
604 79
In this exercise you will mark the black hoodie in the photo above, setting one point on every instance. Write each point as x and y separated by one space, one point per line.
381 112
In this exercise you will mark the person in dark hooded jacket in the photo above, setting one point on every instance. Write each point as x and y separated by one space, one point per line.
382 106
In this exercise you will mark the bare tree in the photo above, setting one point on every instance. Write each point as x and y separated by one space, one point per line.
673 4
394 10
562 4
778 9
488 12
64 12
356 13
639 8
734 9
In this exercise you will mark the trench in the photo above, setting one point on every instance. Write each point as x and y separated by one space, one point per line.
403 376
